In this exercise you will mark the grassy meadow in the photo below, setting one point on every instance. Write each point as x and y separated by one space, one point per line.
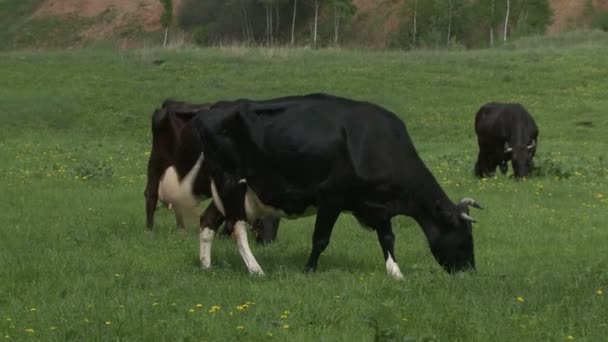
76 262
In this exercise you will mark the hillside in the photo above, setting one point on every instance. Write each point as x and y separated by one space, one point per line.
73 23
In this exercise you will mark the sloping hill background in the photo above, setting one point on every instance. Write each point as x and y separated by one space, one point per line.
73 23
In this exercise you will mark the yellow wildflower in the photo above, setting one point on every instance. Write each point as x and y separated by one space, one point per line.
191 310
33 309
108 323
520 299
199 305
570 337
29 330
53 328
285 326
155 304
240 327
283 316
599 292
240 307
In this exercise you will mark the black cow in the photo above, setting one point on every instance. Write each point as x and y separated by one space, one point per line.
286 156
174 171
505 131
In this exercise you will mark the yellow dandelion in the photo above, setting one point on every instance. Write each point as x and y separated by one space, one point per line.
570 337
116 275
191 310
283 316
240 327
108 323
33 309
155 304
285 326
199 305
245 306
53 328
599 292
240 307
84 177
520 299
286 312
30 330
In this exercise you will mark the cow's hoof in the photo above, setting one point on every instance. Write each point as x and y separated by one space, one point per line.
309 269
256 272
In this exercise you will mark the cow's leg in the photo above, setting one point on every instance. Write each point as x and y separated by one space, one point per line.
387 242
151 192
179 217
239 230
324 224
265 230
482 166
210 221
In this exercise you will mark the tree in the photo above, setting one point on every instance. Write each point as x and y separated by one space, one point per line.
314 39
166 17
293 21
507 21
341 9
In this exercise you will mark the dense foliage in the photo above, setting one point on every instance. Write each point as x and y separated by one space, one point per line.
428 23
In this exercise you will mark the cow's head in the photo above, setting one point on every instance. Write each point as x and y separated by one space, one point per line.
521 157
452 244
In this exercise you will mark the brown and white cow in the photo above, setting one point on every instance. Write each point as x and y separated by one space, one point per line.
174 168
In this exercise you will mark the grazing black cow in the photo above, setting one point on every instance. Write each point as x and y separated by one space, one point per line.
292 156
174 171
505 131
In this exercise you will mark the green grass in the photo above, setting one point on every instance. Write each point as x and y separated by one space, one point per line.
76 262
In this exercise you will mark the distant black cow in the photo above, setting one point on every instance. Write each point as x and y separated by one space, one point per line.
292 156
505 131
174 171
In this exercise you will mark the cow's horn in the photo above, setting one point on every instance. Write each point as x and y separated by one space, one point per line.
466 217
507 147
471 202
532 145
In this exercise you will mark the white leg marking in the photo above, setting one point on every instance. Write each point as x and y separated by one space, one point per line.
206 239
240 232
216 198
392 268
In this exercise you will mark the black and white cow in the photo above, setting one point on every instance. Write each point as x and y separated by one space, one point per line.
294 156
505 131
174 171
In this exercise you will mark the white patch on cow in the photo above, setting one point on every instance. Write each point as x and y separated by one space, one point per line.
217 200
178 194
392 268
240 233
255 208
206 239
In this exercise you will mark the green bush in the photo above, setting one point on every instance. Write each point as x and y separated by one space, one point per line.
600 21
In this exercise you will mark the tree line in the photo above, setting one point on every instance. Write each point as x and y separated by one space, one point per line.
422 23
